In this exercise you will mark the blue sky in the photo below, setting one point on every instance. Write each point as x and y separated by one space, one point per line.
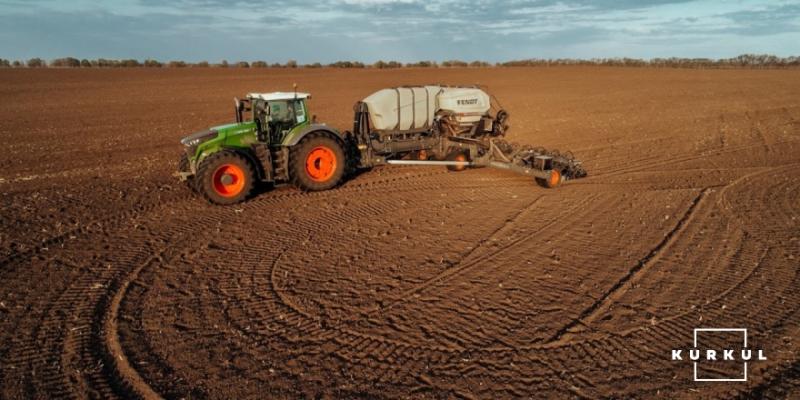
403 30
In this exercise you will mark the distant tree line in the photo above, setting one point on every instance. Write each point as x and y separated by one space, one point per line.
742 61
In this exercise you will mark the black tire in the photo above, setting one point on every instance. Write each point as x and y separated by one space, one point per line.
353 156
310 172
183 163
457 155
183 166
225 177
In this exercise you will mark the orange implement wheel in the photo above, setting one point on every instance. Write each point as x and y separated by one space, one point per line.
457 156
321 163
553 180
228 180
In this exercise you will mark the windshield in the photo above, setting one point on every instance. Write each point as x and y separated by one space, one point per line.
287 111
281 111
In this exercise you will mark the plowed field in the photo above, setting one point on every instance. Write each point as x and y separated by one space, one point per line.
405 282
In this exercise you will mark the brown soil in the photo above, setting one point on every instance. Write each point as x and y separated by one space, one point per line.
404 282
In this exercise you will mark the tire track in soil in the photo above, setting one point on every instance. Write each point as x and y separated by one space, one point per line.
84 230
787 379
104 375
122 376
72 298
131 383
466 264
644 163
613 293
128 373
667 329
365 347
640 168
724 206
327 221
181 195
127 380
666 332
355 347
109 372
358 347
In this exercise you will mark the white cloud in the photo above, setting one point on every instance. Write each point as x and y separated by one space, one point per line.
328 30
377 2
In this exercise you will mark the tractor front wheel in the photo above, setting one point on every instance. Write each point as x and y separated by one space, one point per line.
225 178
316 163
183 166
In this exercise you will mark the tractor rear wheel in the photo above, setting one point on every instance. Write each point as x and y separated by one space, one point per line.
225 178
316 163
552 181
457 155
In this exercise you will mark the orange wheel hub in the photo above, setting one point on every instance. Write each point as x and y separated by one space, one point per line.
460 157
554 179
228 180
321 163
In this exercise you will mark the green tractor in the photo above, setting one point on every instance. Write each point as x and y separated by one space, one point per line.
272 140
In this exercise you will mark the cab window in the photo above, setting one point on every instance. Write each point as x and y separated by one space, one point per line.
281 111
300 112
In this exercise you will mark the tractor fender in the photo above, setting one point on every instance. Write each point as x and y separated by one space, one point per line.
252 157
295 137
247 153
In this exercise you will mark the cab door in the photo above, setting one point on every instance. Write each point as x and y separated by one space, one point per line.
286 115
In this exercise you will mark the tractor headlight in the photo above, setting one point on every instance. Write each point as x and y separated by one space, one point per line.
197 138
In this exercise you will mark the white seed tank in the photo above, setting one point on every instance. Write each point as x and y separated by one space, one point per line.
412 108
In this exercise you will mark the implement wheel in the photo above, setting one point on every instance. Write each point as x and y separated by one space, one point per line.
457 155
316 163
552 181
225 178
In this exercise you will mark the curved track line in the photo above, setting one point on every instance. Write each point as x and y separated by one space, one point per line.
111 336
616 290
180 196
461 267
758 264
85 229
646 168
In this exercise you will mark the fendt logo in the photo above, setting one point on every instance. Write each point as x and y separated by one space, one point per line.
719 355
467 102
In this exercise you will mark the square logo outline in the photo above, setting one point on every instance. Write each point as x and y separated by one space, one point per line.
696 379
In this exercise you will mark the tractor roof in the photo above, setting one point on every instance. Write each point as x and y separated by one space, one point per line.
278 95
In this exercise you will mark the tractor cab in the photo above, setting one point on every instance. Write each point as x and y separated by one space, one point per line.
275 114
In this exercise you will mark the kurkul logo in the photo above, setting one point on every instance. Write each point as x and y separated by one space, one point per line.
703 353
